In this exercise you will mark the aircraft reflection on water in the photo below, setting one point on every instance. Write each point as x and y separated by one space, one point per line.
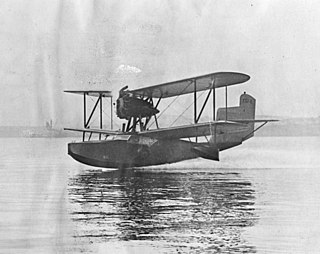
191 210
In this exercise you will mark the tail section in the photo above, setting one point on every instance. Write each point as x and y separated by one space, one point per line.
245 111
225 137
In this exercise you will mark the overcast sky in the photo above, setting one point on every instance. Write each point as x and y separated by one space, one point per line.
49 46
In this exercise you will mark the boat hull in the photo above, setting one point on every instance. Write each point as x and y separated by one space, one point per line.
121 154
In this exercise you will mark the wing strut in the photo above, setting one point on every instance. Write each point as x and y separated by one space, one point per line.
226 104
213 99
86 121
155 117
100 98
156 120
195 101
92 112
195 104
111 113
214 107
204 105
197 117
84 115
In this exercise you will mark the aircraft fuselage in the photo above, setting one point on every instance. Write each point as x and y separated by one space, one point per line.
123 154
136 151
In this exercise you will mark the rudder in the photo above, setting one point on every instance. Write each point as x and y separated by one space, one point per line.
245 111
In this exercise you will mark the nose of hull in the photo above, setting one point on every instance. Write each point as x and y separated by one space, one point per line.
78 153
89 154
107 154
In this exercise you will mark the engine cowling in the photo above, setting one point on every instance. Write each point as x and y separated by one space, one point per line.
130 106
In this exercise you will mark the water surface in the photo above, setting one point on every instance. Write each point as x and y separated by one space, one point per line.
262 197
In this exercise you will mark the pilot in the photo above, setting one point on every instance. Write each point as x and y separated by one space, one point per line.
130 106
122 92
121 112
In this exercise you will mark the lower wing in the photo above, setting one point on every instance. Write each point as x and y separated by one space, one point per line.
99 131
194 130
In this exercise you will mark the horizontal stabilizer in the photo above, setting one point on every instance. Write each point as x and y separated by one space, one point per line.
255 121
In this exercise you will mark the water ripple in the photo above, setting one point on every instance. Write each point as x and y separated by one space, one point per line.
195 211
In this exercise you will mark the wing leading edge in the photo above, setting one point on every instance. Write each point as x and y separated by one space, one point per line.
199 83
98 131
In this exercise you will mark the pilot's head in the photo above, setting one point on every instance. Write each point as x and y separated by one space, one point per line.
122 91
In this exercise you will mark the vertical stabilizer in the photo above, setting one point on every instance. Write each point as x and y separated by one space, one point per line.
245 111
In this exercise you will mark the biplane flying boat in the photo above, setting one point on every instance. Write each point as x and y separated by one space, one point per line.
137 144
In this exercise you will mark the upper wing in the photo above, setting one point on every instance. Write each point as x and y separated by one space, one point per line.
96 93
194 130
184 86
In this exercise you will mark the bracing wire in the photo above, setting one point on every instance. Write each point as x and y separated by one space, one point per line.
170 104
185 110
106 114
165 110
